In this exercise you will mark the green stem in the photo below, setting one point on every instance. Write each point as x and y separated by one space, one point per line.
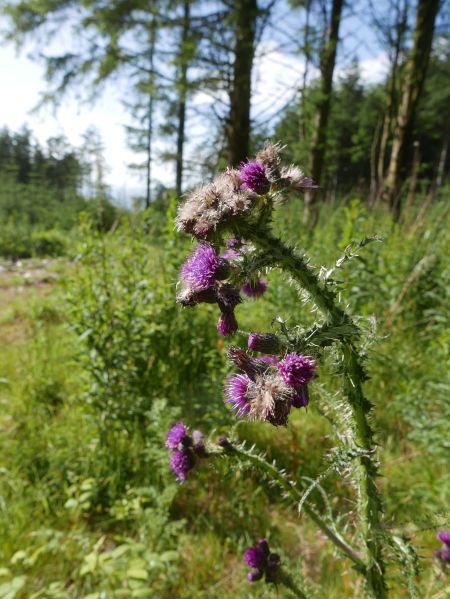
284 256
287 581
295 494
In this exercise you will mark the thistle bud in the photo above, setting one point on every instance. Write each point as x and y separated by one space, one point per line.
251 366
266 343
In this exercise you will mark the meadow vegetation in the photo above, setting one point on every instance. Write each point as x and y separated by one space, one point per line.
97 361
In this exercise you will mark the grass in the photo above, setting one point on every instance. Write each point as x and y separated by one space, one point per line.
88 503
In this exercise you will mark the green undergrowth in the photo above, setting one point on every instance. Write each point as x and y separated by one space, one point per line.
96 365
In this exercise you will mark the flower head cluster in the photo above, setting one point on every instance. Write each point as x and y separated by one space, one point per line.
211 207
211 212
186 450
200 275
443 554
258 393
261 561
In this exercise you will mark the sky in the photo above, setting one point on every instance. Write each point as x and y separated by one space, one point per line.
275 74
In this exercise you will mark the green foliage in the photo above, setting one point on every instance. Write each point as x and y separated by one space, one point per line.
78 488
19 240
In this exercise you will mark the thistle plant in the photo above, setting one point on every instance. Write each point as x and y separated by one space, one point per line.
231 221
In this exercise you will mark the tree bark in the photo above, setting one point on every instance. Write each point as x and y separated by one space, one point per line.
238 130
391 95
327 62
184 63
441 166
412 87
148 198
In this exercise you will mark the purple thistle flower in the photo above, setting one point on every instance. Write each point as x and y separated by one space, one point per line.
444 537
261 561
175 436
235 388
254 557
180 463
300 397
271 360
297 370
253 174
228 324
254 289
266 343
254 575
203 267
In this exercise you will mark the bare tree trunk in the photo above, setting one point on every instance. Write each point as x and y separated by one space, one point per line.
412 87
184 63
412 184
238 129
327 62
391 95
306 50
148 198
373 170
386 127
441 166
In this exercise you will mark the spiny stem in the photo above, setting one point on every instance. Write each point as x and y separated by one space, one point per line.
285 257
295 494
285 579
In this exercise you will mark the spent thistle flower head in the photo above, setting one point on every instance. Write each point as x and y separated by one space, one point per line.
212 207
253 175
191 297
297 180
254 289
297 370
269 400
269 155
203 268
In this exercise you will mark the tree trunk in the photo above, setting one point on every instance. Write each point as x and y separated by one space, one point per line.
441 166
327 62
148 198
391 95
184 60
307 53
373 172
238 129
411 90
